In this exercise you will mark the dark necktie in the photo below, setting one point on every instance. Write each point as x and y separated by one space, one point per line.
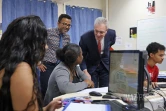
60 46
99 46
60 41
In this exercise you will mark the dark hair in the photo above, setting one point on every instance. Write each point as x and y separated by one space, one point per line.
154 47
24 40
153 4
68 54
64 16
134 30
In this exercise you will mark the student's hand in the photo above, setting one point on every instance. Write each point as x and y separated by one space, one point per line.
54 104
87 74
92 84
154 84
42 67
89 82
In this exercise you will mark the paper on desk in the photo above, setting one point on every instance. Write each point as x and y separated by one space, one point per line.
87 107
101 90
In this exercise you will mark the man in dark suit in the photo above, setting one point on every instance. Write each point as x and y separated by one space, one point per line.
95 46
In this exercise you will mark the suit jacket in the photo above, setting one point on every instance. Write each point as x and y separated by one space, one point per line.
91 55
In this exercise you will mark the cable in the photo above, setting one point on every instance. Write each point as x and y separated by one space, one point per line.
161 108
164 95
149 83
163 98
150 103
162 92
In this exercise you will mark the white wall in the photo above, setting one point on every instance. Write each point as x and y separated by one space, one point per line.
99 4
124 14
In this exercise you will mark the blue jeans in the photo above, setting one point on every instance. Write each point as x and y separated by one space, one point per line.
100 76
44 76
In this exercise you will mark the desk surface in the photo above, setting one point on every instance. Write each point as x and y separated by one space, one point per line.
77 94
156 100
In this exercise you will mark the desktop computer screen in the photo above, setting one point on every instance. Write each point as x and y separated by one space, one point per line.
127 73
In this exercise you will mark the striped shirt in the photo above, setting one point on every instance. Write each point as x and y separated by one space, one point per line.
53 42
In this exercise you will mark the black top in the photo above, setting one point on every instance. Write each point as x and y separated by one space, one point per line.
76 79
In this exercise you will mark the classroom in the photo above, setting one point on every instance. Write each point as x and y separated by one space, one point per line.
107 54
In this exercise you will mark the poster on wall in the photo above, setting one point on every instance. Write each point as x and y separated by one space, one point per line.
0 30
118 40
151 7
133 32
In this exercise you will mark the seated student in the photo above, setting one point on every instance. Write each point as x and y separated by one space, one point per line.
22 46
67 77
156 53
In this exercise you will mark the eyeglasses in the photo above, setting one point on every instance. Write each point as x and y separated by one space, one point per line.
65 24
100 32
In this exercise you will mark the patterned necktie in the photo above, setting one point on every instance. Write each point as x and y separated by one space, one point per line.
99 46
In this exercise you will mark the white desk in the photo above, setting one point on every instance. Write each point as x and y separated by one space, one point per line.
156 100
86 93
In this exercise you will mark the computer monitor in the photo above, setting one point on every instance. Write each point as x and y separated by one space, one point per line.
126 74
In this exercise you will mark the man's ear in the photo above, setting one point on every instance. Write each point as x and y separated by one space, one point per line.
151 55
107 29
57 23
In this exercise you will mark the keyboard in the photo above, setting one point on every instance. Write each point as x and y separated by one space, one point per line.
162 85
117 106
114 104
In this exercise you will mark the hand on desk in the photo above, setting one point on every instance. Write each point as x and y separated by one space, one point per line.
154 84
54 104
90 83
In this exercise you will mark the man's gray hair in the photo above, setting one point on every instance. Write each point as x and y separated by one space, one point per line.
101 20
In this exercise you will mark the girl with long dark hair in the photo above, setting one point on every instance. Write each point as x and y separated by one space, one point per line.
22 46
